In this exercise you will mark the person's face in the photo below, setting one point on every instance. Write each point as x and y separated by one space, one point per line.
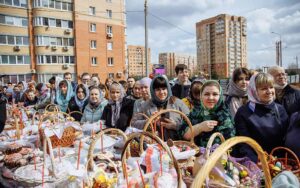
80 94
183 75
145 92
21 87
137 91
86 80
109 82
130 82
243 81
115 94
266 93
280 77
210 96
103 92
31 96
161 93
95 81
68 77
95 96
64 89
16 89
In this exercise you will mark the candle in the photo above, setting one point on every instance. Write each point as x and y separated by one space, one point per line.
162 132
43 173
141 174
78 158
34 160
59 153
101 136
126 175
160 156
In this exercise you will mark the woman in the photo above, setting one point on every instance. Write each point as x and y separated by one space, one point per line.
237 90
79 101
118 112
103 90
43 96
93 111
95 80
261 118
193 100
144 84
108 82
30 99
64 93
136 92
161 98
211 116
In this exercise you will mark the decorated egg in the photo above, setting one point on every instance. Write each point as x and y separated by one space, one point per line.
278 164
243 173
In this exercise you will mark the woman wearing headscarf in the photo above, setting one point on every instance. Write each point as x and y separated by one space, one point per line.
118 112
94 109
144 85
43 96
211 116
261 118
161 98
64 93
79 101
193 100
237 90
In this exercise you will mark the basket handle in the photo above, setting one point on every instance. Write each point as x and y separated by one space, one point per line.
286 149
160 142
97 137
56 108
210 142
215 156
49 114
136 115
48 143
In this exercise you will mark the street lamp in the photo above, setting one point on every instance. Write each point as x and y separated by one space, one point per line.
140 52
278 50
146 37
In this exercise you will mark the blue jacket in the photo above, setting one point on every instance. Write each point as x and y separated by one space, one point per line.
293 134
93 114
266 124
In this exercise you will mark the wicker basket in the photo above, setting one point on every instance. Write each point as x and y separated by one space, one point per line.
69 134
161 143
292 164
52 108
223 148
74 112
178 143
18 123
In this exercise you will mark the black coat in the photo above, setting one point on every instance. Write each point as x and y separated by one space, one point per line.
125 114
290 100
267 125
2 112
180 91
293 133
72 106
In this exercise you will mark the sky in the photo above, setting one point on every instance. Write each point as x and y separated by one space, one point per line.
172 26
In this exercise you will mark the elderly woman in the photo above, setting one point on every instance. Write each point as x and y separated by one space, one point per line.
94 109
64 93
211 116
261 118
144 92
79 101
237 90
118 112
161 98
135 93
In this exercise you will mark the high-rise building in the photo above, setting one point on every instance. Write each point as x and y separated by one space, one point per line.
221 45
42 38
171 59
137 62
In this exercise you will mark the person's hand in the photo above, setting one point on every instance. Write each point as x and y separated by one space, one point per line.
168 123
207 126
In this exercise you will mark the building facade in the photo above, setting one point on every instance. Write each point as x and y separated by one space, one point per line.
136 61
43 38
221 45
171 59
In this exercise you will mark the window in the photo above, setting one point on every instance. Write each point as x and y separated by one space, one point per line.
93 44
108 1
42 59
94 61
109 13
109 29
92 10
109 46
110 61
110 75
2 39
92 27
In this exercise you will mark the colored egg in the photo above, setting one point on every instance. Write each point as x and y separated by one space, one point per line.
243 173
278 164
276 168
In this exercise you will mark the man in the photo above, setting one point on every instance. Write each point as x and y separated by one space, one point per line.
130 84
285 94
85 78
182 84
2 109
68 77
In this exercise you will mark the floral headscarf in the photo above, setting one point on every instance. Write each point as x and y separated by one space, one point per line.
154 98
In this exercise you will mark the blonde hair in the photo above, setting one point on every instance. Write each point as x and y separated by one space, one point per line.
264 79
274 69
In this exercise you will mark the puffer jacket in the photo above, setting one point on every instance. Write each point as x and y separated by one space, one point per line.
92 115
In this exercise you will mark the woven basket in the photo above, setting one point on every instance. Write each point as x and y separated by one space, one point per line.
161 143
69 135
19 125
96 138
177 143
222 149
52 108
292 164
74 112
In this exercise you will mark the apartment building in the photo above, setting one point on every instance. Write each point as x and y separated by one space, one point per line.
171 59
137 61
221 45
42 38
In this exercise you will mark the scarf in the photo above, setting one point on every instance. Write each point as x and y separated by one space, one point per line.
62 100
116 105
155 99
235 91
80 103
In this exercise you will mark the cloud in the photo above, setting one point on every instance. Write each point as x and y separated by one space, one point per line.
260 20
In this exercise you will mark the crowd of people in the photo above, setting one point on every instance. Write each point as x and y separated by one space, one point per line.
262 106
